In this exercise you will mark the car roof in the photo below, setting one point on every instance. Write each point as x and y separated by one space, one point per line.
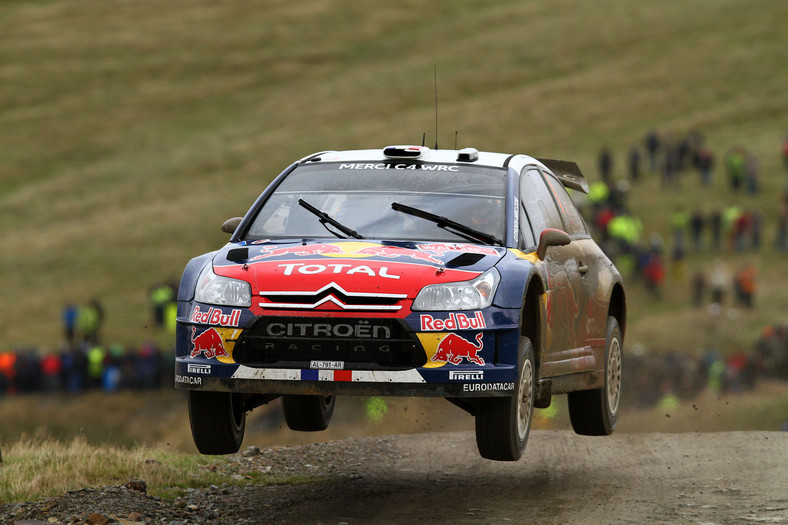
425 154
567 172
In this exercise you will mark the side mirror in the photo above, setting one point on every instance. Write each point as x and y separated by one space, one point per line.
551 237
230 225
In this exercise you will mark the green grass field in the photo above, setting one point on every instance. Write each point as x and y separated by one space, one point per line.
130 130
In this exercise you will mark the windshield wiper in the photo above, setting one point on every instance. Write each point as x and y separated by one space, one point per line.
325 218
464 231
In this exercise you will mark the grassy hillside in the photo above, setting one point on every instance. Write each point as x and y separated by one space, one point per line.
41 466
130 130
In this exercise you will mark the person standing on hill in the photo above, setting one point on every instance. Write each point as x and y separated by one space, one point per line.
605 163
654 273
745 286
69 317
704 162
89 320
735 161
161 295
652 144
715 228
670 166
696 224
96 356
719 281
679 222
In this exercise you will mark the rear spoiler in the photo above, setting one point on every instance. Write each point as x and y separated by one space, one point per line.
568 173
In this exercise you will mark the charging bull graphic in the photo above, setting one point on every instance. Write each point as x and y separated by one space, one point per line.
208 343
350 250
453 348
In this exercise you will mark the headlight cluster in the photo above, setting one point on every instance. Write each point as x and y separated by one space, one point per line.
467 295
222 291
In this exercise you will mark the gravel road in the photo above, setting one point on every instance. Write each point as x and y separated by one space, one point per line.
706 478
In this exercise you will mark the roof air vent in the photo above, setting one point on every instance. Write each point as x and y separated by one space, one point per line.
404 151
468 155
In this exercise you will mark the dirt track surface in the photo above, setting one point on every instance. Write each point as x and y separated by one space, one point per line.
564 478
712 478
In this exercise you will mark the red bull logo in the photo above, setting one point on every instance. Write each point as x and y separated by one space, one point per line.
301 251
389 252
349 249
453 349
444 248
458 321
209 343
215 316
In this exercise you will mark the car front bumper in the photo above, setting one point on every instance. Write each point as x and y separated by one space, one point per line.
469 354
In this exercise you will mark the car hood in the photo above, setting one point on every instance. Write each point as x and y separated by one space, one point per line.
286 273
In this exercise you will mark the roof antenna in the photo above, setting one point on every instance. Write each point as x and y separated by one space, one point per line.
455 138
423 138
435 74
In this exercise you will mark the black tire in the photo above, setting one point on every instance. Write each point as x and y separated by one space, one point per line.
503 423
308 413
595 412
218 421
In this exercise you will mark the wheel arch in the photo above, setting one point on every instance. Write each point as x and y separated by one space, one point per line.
618 307
531 315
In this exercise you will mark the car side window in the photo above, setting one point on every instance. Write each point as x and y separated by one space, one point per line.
574 222
539 202
526 233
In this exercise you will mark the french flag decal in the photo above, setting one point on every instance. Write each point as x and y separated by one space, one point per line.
362 376
326 375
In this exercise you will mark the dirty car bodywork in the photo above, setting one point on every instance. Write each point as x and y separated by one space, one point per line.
405 271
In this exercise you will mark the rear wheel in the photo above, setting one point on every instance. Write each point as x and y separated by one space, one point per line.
503 423
595 412
218 421
308 413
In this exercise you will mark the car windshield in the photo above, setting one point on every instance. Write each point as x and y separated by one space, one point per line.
359 196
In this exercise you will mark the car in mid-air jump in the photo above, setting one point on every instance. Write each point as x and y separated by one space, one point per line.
405 271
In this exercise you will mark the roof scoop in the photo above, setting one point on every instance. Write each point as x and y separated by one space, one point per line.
405 152
468 155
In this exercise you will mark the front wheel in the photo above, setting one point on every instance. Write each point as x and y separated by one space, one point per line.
503 423
308 413
595 412
218 421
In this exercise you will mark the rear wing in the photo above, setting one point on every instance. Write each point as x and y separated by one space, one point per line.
568 173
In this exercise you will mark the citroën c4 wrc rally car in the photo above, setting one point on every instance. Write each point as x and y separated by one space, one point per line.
405 271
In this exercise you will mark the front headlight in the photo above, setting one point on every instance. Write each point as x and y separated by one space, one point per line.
222 291
466 295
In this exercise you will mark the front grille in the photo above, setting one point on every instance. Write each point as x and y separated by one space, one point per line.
331 296
293 342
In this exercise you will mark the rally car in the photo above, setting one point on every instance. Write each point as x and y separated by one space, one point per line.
405 271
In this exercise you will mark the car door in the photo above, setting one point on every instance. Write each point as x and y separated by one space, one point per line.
581 264
565 324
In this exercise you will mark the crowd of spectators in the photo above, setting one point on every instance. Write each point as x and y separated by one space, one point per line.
85 362
85 366
654 378
707 228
